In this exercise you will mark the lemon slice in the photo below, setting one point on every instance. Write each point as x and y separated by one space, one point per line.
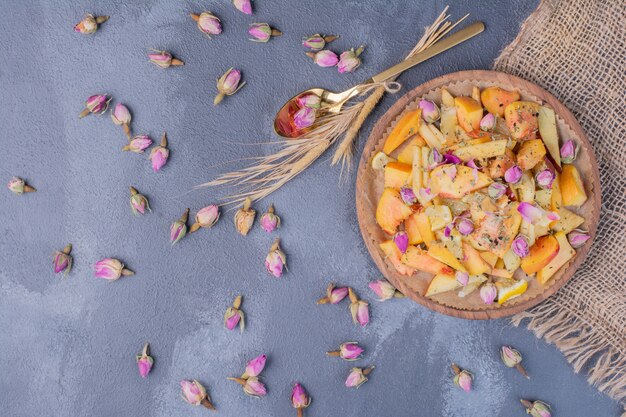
508 292
380 161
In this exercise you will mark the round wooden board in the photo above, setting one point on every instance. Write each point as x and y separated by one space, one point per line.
369 188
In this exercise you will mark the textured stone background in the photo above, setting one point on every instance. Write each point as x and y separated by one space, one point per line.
67 345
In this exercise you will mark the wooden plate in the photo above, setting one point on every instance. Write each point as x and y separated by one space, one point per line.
369 188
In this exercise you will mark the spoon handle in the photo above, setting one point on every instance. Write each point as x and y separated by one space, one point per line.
443 45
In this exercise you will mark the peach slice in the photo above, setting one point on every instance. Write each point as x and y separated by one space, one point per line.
442 254
473 261
393 255
566 252
391 210
469 112
418 259
442 283
406 127
572 188
530 153
541 253
412 229
495 99
397 174
521 119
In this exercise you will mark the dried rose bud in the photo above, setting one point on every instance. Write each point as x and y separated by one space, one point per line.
208 23
349 60
359 309
276 260
96 104
324 58
262 32
228 84
164 59
488 293
159 154
18 186
304 118
138 202
401 239
244 218
430 111
244 6
462 278
138 144
145 361
545 178
536 408
299 398
496 190
534 214
333 295
488 123
178 229
520 246
513 359
408 196
577 238
317 42
434 158
462 378
465 226
312 101
251 386
513 175
349 351
195 394
451 158
121 117
89 24
569 151
384 290
255 366
234 316
358 376
62 260
206 217
269 220
111 269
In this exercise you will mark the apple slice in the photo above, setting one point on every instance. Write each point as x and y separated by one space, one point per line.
547 129
442 283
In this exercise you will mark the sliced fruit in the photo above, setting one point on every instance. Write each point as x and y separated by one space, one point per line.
468 112
521 119
391 210
397 174
490 258
473 261
566 252
406 127
572 188
511 261
448 123
530 153
501 273
568 221
439 216
432 136
495 233
393 254
499 165
467 141
474 282
406 153
447 183
547 129
442 283
442 254
419 259
447 99
495 99
509 289
380 161
541 253
544 199
482 150
525 189
423 226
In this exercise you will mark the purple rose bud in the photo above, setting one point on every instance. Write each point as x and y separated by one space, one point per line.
159 154
138 202
569 151
304 118
194 393
577 238
145 361
357 377
228 84
359 309
465 226
120 115
349 60
383 289
434 158
62 260
324 58
312 101
350 351
262 32
488 293
451 158
138 144
462 278
317 42
299 397
96 104
408 196
208 23
276 260
234 315
536 408
163 59
401 239
255 366
513 175
111 269
430 111
520 246
463 379
496 190
545 178
244 6
488 123
270 221
254 388
178 229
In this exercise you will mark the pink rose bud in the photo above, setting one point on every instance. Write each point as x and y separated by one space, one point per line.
254 388
401 239
534 214
317 42
121 117
333 295
164 59
349 60
462 378
578 238
513 175
465 226
358 377
304 118
228 84
520 246
462 278
545 178
299 397
145 361
488 123
234 315
269 220
276 260
488 293
111 269
262 32
244 6
138 144
18 186
349 351
159 154
496 190
138 202
89 24
96 104
178 229
430 111
244 218
208 23
383 289
434 158
536 408
195 394
569 151
359 309
255 366
312 101
206 217
513 359
62 260
324 58
408 196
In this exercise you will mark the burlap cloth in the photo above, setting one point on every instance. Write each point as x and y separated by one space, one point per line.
575 49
